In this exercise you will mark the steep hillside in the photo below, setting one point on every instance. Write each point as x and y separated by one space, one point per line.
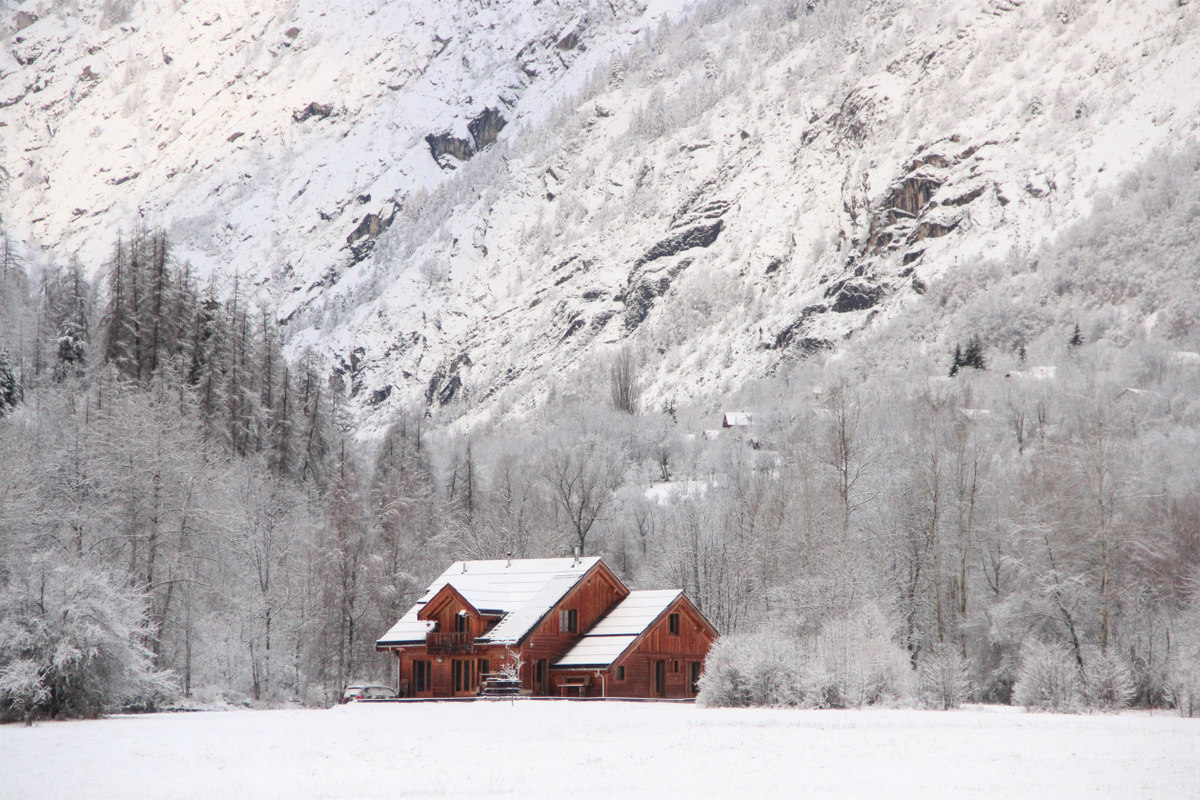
478 207
272 137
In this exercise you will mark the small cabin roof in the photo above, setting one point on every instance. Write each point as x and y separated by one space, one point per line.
737 419
618 629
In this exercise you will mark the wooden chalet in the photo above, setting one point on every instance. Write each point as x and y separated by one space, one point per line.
570 624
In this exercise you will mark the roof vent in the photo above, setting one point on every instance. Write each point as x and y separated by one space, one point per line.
508 558
575 563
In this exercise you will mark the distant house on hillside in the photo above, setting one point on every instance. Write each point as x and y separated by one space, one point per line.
737 419
572 627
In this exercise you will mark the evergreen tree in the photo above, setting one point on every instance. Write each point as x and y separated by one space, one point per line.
1076 337
10 389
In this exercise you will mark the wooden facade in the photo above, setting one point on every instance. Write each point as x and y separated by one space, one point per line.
451 644
658 664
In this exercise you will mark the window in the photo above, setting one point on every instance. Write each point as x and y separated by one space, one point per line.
462 623
675 667
422 678
485 667
621 672
568 620
673 623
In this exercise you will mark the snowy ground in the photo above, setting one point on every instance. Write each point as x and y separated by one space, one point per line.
564 749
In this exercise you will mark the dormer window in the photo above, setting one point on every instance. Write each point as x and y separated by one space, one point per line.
568 620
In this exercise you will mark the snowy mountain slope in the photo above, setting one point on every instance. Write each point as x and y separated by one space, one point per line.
754 187
744 188
263 133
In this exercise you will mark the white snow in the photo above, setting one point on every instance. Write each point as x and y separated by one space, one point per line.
557 749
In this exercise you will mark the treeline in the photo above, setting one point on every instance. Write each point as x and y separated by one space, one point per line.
180 512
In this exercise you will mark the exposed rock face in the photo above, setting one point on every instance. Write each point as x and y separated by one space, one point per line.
446 382
911 196
444 144
486 127
696 236
642 291
314 109
791 335
483 129
855 294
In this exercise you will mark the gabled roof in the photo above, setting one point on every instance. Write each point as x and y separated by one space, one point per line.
618 629
521 591
737 419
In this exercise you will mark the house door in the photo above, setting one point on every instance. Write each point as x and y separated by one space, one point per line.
541 677
464 676
660 678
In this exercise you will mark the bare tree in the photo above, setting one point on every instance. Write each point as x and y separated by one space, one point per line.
582 480
625 387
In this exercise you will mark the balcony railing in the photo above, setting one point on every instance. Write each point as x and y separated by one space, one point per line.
457 642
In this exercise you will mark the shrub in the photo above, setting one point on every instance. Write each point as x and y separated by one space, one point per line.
1048 678
1107 682
851 662
1183 666
71 644
756 669
855 662
942 679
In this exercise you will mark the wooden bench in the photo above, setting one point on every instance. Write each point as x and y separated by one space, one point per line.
574 686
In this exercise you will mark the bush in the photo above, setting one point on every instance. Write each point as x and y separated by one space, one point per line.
757 669
1107 682
855 662
942 679
1048 679
851 662
71 644
1183 666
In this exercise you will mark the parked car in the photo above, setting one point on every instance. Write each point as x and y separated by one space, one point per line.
368 691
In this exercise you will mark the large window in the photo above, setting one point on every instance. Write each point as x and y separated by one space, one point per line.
462 623
422 676
568 620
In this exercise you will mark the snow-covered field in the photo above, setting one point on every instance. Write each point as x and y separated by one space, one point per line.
570 749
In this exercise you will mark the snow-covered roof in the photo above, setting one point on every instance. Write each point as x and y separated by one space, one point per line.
617 630
521 591
408 630
737 419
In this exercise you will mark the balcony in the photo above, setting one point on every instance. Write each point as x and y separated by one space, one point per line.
448 644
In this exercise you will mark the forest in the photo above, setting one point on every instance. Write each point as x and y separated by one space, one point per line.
993 495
